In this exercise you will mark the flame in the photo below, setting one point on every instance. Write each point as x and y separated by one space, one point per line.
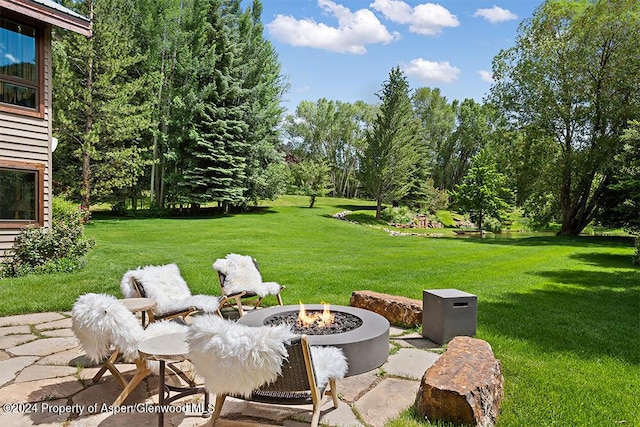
323 320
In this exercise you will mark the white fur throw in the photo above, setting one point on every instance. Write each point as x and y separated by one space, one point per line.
102 323
241 274
166 286
328 363
234 358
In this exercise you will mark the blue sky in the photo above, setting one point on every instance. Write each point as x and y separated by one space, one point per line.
344 49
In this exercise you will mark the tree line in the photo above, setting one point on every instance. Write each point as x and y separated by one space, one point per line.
180 101
176 100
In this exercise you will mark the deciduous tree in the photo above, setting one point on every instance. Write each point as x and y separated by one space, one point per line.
483 191
572 78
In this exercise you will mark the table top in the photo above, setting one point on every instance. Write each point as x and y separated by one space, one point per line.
138 304
170 347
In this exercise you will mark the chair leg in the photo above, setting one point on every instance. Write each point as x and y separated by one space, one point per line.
279 299
315 419
142 372
217 408
106 365
239 305
258 301
334 392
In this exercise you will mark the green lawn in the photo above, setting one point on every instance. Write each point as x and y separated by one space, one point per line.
562 314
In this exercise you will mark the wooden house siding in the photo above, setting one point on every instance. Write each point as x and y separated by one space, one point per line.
27 139
25 136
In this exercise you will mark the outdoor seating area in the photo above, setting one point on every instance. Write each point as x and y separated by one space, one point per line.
46 376
131 354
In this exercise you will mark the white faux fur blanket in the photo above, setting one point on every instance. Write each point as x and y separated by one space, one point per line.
101 321
166 286
234 358
241 274
237 359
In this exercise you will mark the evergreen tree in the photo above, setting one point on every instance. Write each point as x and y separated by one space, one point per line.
211 130
100 104
264 86
388 163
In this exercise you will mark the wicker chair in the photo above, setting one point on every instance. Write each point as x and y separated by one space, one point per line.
265 364
106 328
240 280
166 286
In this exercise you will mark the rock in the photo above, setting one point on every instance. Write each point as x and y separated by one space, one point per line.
465 386
399 311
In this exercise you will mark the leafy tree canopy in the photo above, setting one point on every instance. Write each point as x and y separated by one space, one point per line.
571 80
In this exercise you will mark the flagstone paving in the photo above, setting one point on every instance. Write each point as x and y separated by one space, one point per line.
46 380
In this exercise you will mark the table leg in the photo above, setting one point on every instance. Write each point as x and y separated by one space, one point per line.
161 396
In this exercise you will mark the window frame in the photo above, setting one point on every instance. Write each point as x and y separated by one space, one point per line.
37 112
38 169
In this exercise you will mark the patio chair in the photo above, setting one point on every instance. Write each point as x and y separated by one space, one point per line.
165 285
240 279
267 364
106 328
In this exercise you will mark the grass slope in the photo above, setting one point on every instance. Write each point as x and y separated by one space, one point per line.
560 313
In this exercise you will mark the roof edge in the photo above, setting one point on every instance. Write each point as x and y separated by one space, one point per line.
53 14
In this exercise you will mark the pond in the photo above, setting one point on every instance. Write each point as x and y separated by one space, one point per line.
503 235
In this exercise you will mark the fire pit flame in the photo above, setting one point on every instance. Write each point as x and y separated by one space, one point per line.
323 320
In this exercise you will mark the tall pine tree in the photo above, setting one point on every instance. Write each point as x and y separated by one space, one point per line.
210 128
100 104
388 163
264 87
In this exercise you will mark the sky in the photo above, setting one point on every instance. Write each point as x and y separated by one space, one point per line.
343 50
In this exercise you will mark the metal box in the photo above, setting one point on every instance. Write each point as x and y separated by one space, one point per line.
447 313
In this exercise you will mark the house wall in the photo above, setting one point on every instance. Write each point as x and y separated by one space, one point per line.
27 139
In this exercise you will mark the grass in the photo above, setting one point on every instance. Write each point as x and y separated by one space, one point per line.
561 313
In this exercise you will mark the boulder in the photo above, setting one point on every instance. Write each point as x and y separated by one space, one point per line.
464 386
399 311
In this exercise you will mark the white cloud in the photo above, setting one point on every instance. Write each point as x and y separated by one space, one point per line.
12 59
428 19
303 89
354 31
429 71
495 15
486 76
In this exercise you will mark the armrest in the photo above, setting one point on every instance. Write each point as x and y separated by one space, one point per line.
183 312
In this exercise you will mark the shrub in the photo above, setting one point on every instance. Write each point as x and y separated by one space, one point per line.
59 249
399 215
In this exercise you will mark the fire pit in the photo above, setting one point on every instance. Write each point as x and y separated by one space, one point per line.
366 345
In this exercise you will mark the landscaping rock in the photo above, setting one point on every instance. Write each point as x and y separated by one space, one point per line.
464 386
399 311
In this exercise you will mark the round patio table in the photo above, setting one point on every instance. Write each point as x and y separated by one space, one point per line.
136 305
171 348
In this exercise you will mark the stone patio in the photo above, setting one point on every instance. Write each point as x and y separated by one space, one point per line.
45 380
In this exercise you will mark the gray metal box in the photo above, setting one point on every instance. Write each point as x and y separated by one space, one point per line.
447 313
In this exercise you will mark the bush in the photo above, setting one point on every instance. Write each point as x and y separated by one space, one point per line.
59 249
636 255
399 215
492 224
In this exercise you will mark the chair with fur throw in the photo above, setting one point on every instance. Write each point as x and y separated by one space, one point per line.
165 285
268 364
106 328
240 279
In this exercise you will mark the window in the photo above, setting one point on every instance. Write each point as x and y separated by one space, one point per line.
21 67
21 194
